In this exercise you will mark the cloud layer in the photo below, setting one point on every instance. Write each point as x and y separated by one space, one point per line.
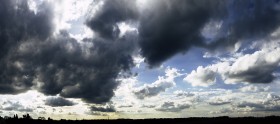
58 101
34 56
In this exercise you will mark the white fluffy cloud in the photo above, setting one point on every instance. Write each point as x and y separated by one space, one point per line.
201 77
258 67
160 85
252 88
219 101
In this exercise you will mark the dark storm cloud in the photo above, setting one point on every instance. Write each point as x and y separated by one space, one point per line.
31 57
255 75
248 20
104 22
173 26
63 66
57 64
18 23
58 101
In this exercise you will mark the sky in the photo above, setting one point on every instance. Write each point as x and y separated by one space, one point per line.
99 59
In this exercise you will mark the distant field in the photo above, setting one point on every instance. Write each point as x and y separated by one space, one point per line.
217 120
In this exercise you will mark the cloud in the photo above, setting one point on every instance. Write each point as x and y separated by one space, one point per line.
105 20
163 33
163 83
148 106
183 93
172 107
63 66
15 106
252 88
125 106
201 77
269 103
19 23
222 111
216 101
257 67
106 108
32 57
254 68
245 20
58 101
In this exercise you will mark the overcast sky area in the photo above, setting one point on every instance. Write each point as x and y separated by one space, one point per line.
92 59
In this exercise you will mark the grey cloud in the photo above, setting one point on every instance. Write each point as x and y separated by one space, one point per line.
172 27
33 57
148 106
153 89
106 108
104 22
58 101
219 102
18 24
250 104
125 106
15 106
88 70
253 88
164 33
168 27
270 103
255 75
222 111
172 107
247 20
183 93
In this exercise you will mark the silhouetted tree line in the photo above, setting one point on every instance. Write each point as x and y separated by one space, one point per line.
27 119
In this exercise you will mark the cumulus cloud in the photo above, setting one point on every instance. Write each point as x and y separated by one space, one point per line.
148 106
164 34
222 111
172 107
219 101
163 83
183 93
201 77
106 108
125 106
258 67
105 20
254 68
58 101
270 103
19 23
252 88
34 58
15 106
